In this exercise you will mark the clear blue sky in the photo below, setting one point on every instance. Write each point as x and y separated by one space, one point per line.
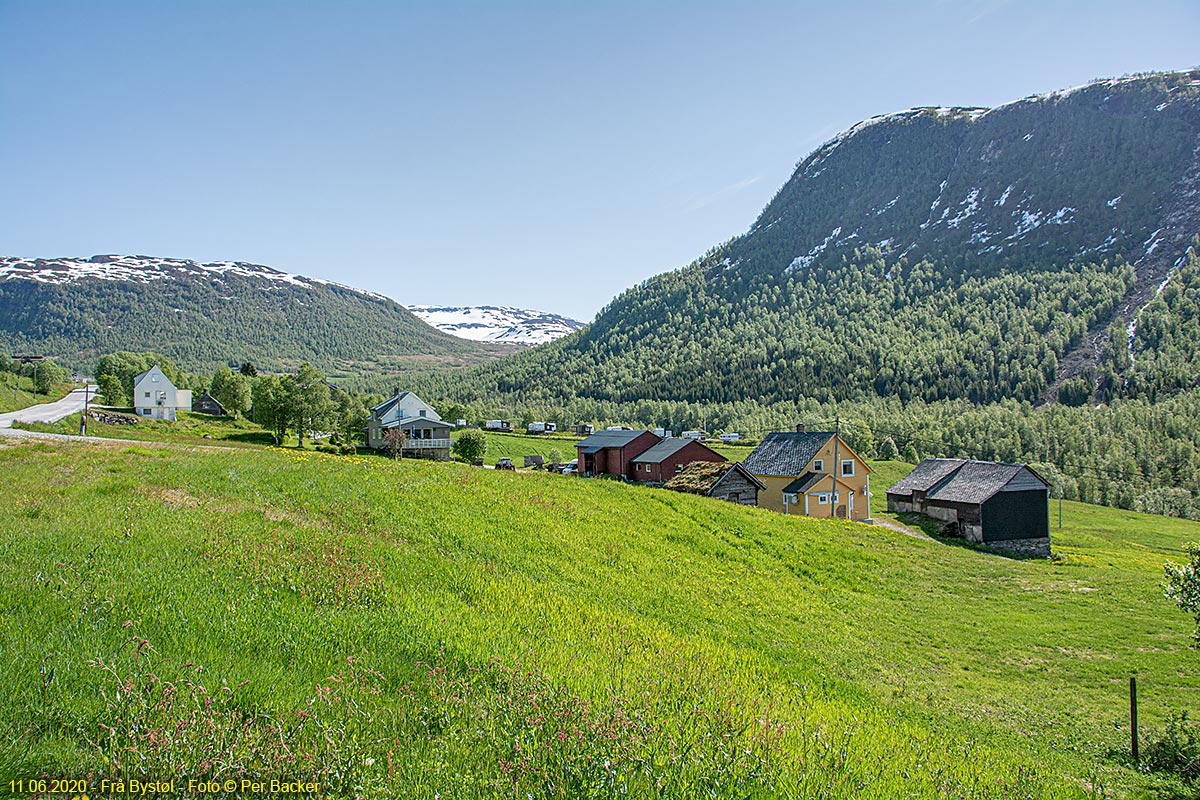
544 154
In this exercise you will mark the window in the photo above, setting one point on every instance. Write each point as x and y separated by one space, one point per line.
422 412
819 465
678 468
154 378
848 468
147 394
823 499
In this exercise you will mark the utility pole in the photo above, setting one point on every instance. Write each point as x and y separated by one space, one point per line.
837 435
83 419
35 379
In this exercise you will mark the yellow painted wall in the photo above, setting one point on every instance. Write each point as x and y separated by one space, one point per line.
772 498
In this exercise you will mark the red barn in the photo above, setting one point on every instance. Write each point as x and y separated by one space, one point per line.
667 459
610 452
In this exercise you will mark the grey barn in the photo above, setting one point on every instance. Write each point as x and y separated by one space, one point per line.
997 504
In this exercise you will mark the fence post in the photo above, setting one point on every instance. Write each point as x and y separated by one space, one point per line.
1133 722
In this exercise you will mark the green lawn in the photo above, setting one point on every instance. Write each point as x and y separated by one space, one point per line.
420 629
17 393
518 445
189 428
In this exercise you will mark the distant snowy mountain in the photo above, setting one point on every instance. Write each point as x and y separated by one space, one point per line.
209 315
497 323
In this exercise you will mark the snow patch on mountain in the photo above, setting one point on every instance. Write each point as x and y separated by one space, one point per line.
497 323
147 269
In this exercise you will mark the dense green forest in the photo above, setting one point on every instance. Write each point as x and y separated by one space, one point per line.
206 319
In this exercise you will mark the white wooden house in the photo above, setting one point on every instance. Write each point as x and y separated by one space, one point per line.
156 397
425 432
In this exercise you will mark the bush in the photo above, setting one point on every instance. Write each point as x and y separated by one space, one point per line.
1176 750
470 445
1183 585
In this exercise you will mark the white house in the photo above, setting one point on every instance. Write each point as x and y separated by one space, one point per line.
425 432
156 397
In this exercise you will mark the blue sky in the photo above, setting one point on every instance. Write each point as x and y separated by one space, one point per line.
539 154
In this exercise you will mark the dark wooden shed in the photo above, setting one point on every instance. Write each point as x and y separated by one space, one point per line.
207 404
998 504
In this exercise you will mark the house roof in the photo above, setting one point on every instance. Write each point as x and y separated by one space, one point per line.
386 405
976 481
603 439
437 423
785 453
211 399
805 482
702 477
925 475
137 378
667 448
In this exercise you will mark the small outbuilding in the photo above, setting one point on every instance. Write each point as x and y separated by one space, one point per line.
207 404
1002 505
730 482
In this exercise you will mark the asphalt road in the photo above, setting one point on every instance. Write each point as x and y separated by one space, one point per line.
48 412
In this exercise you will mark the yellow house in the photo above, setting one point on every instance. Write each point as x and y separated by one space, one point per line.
815 474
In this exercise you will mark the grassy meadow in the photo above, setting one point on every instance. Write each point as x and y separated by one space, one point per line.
419 629
17 393
189 428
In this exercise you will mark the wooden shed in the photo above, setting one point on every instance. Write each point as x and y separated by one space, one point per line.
731 482
998 504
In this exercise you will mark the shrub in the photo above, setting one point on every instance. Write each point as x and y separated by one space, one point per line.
1176 750
470 445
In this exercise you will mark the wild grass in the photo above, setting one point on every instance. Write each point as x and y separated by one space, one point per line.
189 428
17 393
420 629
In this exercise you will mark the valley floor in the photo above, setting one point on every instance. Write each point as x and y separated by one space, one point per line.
420 629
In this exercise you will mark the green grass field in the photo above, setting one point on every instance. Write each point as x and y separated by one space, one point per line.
518 445
17 393
189 428
418 629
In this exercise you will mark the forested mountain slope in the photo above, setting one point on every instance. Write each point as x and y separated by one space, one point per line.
930 254
207 315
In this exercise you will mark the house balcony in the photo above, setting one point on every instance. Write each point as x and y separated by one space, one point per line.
427 444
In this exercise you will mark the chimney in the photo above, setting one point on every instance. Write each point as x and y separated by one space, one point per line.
801 427
397 394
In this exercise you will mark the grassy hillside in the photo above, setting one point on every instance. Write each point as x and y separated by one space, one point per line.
17 393
416 628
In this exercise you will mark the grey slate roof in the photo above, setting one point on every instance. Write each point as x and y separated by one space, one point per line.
957 480
386 405
602 439
665 449
785 453
976 481
925 475
804 482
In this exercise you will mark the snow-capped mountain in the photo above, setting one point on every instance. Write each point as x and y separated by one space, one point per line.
497 323
210 315
145 269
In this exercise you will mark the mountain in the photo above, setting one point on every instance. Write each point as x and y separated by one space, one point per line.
497 323
1036 250
208 315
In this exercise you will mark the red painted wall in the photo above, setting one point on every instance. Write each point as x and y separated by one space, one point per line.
663 472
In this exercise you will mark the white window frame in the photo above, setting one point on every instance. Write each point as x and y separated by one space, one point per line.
818 465
849 474
823 499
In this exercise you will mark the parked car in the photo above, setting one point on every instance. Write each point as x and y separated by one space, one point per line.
505 463
571 467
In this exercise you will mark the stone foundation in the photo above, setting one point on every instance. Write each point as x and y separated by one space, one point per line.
1025 548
